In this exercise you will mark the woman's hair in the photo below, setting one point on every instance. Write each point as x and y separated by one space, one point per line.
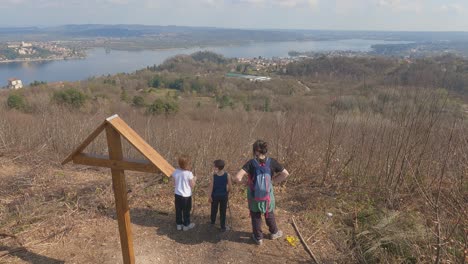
260 146
219 164
184 162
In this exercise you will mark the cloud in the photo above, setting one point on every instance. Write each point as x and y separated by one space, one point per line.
352 6
211 2
454 7
313 3
13 2
7 3
280 3
118 2
404 5
296 3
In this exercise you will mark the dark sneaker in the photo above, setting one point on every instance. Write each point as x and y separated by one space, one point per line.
224 229
257 241
277 235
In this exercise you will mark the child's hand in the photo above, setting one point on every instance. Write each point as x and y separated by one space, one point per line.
210 200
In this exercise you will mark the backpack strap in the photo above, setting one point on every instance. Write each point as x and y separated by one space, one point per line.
267 204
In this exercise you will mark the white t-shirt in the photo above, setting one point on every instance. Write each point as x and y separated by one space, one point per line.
182 182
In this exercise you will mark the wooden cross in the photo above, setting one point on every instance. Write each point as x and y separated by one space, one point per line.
115 127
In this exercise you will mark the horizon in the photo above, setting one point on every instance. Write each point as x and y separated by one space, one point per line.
229 28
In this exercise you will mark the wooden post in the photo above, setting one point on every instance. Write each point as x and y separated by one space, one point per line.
114 144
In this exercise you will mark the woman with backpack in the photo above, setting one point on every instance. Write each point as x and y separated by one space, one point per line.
262 172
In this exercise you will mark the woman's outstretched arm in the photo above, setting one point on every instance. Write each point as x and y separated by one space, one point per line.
229 183
239 176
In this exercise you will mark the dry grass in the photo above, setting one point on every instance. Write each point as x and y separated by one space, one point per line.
393 172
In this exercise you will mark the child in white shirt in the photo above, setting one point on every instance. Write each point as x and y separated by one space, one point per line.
184 182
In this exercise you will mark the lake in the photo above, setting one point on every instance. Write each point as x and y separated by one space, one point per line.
98 62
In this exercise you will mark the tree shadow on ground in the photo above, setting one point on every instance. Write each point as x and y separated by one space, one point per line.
203 231
29 256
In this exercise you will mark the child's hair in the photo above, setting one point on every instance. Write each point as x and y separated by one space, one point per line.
219 164
260 146
184 162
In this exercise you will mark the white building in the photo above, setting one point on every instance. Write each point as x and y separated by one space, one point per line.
15 84
26 44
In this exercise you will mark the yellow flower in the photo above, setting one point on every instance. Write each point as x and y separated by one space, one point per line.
292 240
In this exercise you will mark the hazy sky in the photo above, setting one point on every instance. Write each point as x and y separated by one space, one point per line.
440 15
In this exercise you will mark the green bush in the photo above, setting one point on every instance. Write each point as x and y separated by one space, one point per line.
38 83
225 101
162 107
124 96
110 81
16 101
138 101
156 82
267 105
389 235
70 97
177 84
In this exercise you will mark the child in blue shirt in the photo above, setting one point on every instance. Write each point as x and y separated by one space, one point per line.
218 191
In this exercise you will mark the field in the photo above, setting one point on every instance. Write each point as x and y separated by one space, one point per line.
377 150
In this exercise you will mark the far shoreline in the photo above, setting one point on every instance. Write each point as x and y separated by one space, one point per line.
41 59
201 47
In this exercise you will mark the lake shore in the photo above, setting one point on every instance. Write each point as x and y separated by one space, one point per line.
100 62
41 59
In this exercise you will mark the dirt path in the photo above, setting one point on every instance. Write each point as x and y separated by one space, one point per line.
206 244
75 232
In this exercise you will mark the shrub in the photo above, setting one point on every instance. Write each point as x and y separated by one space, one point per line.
156 82
385 235
38 83
110 81
70 97
247 107
16 101
162 107
267 105
177 84
344 103
138 101
124 96
225 101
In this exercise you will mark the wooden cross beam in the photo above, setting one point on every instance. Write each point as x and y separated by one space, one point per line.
115 129
124 164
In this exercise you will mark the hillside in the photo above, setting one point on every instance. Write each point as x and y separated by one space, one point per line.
376 147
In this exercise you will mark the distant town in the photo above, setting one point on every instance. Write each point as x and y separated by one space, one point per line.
37 51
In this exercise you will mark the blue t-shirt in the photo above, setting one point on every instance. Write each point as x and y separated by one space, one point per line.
220 185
